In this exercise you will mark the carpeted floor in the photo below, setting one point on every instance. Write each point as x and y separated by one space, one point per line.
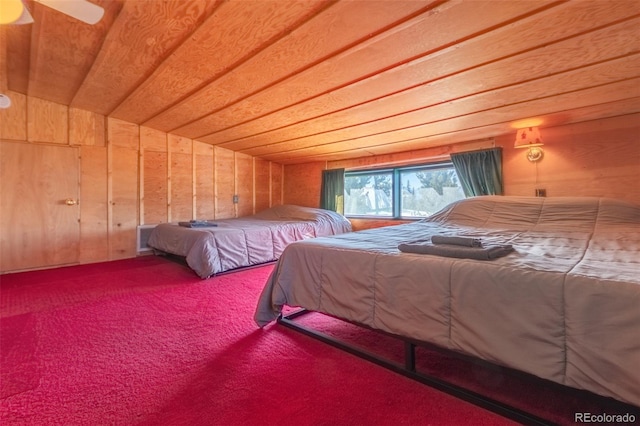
145 341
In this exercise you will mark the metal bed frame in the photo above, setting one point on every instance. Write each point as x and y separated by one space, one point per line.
408 369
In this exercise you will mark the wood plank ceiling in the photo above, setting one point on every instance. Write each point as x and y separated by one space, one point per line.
294 81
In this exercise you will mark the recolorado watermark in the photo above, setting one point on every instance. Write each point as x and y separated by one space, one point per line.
604 418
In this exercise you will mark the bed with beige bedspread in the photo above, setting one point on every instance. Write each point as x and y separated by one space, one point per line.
226 244
564 305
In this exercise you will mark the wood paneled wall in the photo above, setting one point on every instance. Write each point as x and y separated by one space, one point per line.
594 158
132 175
302 183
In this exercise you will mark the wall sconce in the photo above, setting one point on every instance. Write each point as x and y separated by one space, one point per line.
529 137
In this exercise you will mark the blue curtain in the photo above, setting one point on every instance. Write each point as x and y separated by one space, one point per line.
480 172
332 190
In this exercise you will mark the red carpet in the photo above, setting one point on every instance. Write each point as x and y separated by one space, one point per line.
145 341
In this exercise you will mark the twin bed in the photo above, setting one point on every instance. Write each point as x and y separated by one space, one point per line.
564 305
212 247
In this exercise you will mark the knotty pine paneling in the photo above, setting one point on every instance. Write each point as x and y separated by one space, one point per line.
382 52
234 34
442 114
86 128
262 185
336 28
155 198
117 70
244 184
47 121
123 134
180 178
13 121
4 83
61 49
38 228
204 180
302 184
123 151
154 169
224 174
94 223
305 81
123 201
419 156
276 183
153 140
451 133
15 73
471 116
599 158
124 176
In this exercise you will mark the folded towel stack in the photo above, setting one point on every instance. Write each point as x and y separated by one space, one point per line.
197 224
458 247
457 241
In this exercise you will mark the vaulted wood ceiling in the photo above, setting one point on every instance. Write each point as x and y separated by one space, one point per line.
293 81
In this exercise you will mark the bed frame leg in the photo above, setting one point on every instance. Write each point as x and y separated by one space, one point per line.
410 356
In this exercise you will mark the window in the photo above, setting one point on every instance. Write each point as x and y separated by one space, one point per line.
401 192
369 193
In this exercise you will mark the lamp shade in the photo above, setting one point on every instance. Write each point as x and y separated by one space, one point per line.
5 101
10 11
528 137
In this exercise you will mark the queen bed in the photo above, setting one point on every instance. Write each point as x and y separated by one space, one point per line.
563 305
212 247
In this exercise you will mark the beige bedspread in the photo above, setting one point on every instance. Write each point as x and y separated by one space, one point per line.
565 305
245 241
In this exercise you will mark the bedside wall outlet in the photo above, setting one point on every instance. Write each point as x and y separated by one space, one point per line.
236 198
541 192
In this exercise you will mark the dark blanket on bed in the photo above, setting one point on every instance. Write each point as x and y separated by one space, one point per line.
486 252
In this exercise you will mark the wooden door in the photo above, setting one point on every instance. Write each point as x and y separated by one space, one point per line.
39 213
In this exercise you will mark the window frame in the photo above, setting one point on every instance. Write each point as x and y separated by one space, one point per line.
396 188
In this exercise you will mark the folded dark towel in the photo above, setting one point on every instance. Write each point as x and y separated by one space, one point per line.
197 224
457 241
488 252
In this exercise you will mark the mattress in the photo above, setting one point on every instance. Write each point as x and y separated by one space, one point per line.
564 305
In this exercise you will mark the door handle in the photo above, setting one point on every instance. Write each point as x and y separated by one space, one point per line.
70 202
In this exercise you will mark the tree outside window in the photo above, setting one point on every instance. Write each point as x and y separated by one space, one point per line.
423 190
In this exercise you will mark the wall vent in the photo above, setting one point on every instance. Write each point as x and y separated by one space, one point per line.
144 231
